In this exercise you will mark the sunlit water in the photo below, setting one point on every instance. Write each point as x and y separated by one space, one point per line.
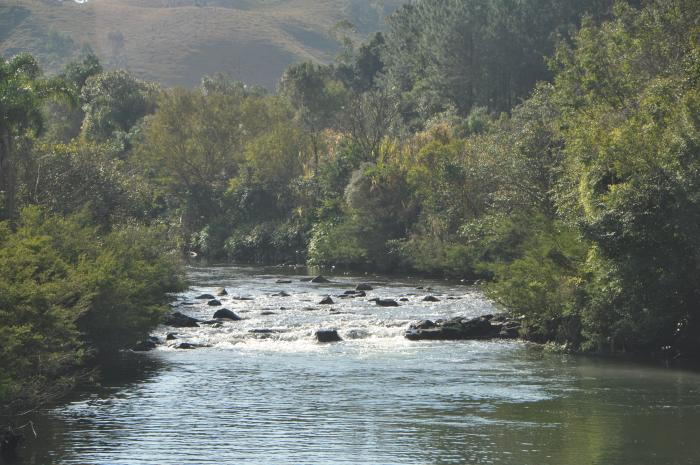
374 398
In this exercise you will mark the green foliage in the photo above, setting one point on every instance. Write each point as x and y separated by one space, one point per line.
629 93
83 177
65 288
464 54
538 275
342 243
113 103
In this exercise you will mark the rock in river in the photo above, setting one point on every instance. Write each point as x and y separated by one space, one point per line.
462 328
430 298
226 314
214 303
178 320
221 291
364 287
385 302
320 279
187 345
205 296
327 335
326 301
146 345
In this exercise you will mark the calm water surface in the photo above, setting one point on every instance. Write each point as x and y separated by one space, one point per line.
375 398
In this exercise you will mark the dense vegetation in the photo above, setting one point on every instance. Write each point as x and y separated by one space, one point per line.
83 272
551 148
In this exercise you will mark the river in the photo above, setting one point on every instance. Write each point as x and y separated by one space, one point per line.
374 398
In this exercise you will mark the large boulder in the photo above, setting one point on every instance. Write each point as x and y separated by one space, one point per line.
327 335
453 329
509 329
226 314
178 320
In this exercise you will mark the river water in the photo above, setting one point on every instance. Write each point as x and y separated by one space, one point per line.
374 398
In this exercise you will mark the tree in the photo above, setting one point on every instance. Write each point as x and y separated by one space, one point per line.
113 103
463 54
318 98
369 117
629 95
22 89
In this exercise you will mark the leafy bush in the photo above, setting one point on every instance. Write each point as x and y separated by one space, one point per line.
65 288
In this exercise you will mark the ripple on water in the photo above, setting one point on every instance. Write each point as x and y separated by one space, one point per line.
374 398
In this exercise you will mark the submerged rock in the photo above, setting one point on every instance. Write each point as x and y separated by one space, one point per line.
226 314
326 301
178 320
364 287
262 331
284 281
327 335
403 299
282 294
357 334
171 336
238 297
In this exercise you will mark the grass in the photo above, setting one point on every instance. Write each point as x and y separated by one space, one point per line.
177 41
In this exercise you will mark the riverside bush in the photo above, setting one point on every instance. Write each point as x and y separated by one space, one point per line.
67 289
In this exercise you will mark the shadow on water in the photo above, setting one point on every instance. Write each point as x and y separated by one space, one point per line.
122 373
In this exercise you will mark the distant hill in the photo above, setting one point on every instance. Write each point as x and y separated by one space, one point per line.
179 41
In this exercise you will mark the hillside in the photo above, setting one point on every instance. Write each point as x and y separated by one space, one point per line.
177 41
